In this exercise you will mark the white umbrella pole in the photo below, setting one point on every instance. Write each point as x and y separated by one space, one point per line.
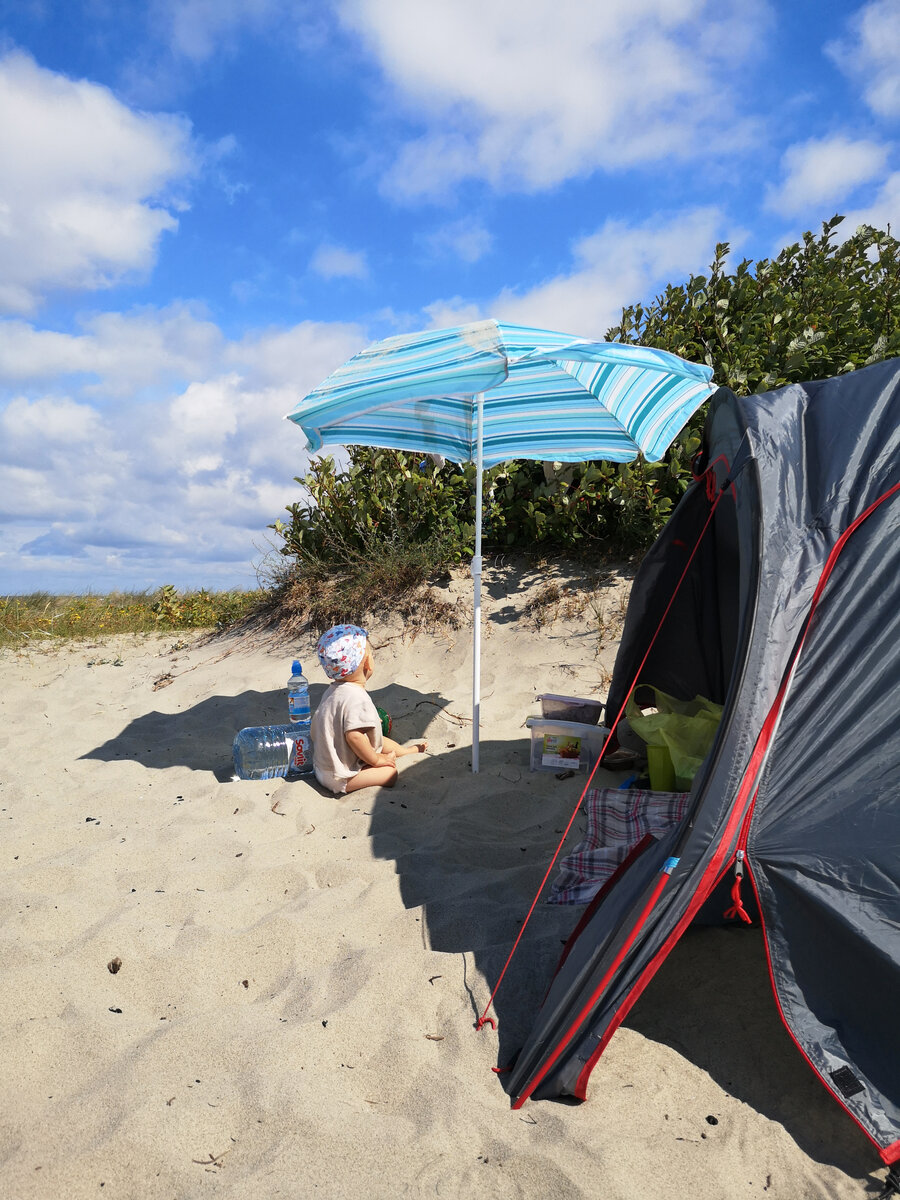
476 580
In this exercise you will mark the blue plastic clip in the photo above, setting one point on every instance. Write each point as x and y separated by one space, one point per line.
670 864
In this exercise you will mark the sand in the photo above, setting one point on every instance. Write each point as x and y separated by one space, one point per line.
293 1014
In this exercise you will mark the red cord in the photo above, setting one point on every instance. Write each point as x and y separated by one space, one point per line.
737 909
484 1018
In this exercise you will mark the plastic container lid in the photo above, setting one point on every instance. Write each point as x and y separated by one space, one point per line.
296 669
571 708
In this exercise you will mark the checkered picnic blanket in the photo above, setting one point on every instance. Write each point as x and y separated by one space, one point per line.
616 821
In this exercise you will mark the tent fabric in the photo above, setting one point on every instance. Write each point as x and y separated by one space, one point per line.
790 617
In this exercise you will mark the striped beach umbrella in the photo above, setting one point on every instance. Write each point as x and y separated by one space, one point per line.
488 392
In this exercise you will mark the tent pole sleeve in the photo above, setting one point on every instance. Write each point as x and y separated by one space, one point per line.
476 582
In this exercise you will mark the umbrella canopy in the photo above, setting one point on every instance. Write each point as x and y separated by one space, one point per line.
488 392
547 396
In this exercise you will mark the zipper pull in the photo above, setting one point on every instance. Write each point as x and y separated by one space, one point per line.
737 910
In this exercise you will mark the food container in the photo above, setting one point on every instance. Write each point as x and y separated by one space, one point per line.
571 708
564 745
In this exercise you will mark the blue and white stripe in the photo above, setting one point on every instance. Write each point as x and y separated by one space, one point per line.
547 396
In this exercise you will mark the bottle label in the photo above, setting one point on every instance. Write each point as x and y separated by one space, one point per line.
300 754
559 751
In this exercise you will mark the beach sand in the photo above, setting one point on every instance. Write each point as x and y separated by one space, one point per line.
300 975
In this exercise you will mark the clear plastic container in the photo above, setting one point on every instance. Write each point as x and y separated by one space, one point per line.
272 751
571 708
565 745
298 695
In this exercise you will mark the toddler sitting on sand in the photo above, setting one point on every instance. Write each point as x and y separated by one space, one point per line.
349 749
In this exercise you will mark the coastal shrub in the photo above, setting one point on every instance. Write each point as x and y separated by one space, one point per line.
381 500
172 609
39 617
384 501
819 308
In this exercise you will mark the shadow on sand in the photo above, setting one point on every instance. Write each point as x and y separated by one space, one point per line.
475 875
200 737
471 851
472 862
712 1002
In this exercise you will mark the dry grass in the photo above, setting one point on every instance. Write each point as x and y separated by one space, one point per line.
605 596
41 618
609 611
390 583
555 602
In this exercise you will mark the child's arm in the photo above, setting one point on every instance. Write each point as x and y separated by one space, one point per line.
358 741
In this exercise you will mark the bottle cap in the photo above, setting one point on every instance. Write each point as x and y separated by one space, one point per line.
296 669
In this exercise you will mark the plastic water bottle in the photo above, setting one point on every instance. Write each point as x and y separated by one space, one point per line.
273 751
298 695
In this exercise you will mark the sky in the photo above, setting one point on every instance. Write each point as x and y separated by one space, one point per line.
208 205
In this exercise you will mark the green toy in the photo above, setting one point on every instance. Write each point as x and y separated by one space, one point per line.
386 722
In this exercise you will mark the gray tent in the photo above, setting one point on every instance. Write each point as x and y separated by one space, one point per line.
789 615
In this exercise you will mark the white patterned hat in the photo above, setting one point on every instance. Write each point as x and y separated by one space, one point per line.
341 650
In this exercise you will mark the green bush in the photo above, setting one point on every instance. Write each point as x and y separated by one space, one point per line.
816 310
385 499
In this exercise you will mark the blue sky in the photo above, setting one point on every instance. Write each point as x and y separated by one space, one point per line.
207 205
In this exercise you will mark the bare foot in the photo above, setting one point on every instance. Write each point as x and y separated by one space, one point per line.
400 751
415 748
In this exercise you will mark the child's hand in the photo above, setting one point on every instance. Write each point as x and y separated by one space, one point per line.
387 758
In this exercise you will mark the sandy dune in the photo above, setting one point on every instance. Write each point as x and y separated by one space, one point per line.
293 1015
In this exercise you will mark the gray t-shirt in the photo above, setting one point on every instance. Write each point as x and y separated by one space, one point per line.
344 706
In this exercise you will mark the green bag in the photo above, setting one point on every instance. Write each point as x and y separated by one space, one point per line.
679 736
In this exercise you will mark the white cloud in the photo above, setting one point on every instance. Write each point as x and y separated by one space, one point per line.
883 211
527 93
292 358
121 352
44 442
177 485
198 29
84 184
337 262
455 311
26 426
870 54
824 171
616 266
466 239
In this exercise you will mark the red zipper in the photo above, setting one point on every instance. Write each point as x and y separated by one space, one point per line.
737 912
713 873
889 1154
715 870
549 1063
